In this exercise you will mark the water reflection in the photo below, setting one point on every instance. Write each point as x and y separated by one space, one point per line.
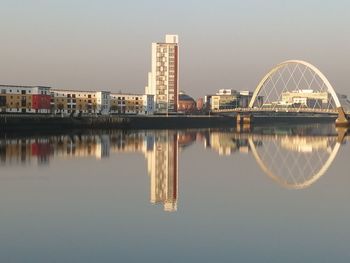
294 157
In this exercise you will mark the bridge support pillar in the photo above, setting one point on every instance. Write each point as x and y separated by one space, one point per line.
342 120
245 121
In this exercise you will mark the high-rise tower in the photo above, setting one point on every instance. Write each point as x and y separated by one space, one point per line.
163 81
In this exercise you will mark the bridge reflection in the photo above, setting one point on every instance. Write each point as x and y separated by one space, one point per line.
293 157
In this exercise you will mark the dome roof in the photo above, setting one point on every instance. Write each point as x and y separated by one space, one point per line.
185 97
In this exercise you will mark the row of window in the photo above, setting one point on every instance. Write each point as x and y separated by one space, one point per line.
22 104
123 98
74 95
71 100
23 92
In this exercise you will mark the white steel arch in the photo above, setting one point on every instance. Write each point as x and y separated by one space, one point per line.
300 62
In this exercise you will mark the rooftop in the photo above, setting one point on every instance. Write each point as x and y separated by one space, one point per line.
71 90
23 87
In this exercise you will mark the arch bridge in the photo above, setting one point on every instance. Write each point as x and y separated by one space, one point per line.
294 87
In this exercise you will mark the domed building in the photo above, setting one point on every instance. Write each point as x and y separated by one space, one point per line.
186 103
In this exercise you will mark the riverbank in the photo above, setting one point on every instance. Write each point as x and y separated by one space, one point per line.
54 123
49 123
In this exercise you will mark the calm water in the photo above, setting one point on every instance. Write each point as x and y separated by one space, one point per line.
269 195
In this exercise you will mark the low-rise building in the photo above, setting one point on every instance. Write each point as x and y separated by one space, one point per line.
200 104
24 99
122 103
74 101
148 104
226 99
305 98
103 100
344 101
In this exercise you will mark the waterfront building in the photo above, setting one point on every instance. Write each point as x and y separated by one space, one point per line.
148 104
73 101
24 99
345 102
123 103
103 102
245 97
200 104
225 99
163 80
304 98
186 103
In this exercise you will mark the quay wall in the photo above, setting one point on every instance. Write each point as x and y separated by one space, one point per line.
56 123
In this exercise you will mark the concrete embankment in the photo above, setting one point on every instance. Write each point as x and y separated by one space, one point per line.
293 119
56 123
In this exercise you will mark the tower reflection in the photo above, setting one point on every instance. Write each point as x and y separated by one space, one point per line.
162 165
294 158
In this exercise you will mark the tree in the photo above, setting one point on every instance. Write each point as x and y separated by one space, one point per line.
114 108
94 106
60 107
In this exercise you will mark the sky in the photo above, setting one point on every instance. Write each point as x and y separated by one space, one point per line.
106 44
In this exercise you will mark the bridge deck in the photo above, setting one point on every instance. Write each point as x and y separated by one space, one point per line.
276 110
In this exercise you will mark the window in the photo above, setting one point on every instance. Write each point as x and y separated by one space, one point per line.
23 91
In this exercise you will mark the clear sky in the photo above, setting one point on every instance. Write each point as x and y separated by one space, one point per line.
106 44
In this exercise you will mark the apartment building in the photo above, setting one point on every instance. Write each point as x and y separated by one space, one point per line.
163 81
122 103
74 101
24 99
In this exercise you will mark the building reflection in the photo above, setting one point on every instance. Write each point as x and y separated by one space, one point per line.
162 162
160 149
293 157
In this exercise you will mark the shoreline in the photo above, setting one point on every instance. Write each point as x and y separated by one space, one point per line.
10 123
52 123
